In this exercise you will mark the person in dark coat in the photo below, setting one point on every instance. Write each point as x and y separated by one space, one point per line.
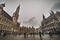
25 35
50 34
40 35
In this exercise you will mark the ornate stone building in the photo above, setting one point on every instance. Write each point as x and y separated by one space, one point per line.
51 23
7 22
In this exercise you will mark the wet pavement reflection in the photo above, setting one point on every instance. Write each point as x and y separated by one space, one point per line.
21 37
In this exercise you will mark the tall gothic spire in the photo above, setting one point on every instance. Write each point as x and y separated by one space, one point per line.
17 10
16 13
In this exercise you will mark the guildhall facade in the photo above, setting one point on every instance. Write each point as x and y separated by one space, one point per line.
51 23
7 22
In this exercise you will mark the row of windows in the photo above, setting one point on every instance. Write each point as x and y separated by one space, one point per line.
4 27
6 21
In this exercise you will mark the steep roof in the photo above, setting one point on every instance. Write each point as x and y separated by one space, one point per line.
5 14
53 16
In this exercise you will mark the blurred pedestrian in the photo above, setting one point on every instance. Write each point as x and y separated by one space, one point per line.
50 34
33 34
40 35
25 35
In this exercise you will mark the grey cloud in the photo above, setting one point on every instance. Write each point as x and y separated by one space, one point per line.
56 6
32 21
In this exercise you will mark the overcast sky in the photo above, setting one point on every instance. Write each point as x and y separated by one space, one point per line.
31 9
